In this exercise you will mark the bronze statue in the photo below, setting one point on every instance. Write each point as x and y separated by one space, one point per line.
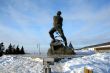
57 26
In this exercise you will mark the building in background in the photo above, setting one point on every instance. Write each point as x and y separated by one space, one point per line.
104 47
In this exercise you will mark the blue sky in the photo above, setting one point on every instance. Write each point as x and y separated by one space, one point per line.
27 22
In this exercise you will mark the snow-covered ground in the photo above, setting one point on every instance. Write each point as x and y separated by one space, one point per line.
19 64
100 63
84 52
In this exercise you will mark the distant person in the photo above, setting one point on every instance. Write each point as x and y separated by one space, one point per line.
57 26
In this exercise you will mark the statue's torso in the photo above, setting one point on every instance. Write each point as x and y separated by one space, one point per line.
57 21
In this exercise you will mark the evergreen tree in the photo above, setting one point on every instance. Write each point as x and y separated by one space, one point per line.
17 50
70 45
1 49
22 50
10 49
6 51
13 49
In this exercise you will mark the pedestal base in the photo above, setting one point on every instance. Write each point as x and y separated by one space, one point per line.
57 48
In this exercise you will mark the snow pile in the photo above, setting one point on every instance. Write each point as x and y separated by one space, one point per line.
99 63
19 64
84 52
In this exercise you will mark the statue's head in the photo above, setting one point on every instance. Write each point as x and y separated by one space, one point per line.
59 13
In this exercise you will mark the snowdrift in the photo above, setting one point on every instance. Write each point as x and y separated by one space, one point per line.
19 64
100 63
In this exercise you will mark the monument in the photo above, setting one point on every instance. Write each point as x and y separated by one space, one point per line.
58 46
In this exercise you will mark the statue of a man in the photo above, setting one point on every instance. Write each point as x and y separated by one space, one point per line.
57 26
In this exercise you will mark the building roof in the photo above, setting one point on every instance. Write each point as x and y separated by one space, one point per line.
102 44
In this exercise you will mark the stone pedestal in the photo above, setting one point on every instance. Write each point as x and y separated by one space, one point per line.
57 48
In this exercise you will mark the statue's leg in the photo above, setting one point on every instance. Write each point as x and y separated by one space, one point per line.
51 32
62 36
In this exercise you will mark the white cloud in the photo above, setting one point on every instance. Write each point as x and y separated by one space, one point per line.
95 21
25 35
27 14
9 35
